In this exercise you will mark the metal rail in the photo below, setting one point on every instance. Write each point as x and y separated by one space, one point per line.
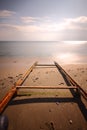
11 93
20 81
46 87
45 65
70 79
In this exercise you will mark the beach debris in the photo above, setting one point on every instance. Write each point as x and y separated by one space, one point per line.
49 110
11 81
2 84
70 121
20 74
83 71
50 125
36 78
56 95
75 75
57 103
61 83
47 72
10 77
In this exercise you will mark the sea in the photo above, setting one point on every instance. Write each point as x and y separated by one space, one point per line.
65 51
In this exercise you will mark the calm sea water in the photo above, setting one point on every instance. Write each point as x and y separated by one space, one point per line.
70 51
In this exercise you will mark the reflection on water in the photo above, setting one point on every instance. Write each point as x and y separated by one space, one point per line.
65 52
67 58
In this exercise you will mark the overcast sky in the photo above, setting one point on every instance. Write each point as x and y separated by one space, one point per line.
43 20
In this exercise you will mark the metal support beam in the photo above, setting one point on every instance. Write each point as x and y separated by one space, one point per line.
46 87
45 65
11 93
70 79
20 81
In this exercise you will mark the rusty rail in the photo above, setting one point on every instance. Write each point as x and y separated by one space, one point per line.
20 81
18 84
46 87
45 65
11 93
70 79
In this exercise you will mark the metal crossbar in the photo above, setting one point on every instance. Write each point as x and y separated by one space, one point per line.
46 87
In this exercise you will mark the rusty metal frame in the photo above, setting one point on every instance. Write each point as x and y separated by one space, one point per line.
46 87
72 81
18 84
13 91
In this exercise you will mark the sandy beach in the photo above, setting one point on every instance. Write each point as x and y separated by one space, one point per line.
43 64
11 69
43 109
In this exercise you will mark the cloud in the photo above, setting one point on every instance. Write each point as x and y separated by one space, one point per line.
81 19
6 13
39 20
28 19
46 24
45 28
79 23
8 27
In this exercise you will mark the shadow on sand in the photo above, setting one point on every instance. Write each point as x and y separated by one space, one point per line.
78 100
51 100
74 99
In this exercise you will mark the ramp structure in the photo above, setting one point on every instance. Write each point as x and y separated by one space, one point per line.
73 85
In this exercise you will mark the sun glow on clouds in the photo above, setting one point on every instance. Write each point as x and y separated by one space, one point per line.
6 13
50 26
28 19
66 29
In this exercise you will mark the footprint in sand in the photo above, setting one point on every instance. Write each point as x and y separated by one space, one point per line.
61 83
10 77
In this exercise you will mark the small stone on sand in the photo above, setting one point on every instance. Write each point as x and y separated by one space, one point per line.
70 121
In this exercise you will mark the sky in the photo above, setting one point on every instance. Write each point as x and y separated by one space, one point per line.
43 20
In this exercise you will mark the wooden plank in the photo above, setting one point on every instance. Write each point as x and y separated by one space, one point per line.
46 87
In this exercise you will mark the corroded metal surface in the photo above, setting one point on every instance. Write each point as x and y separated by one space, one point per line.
11 93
